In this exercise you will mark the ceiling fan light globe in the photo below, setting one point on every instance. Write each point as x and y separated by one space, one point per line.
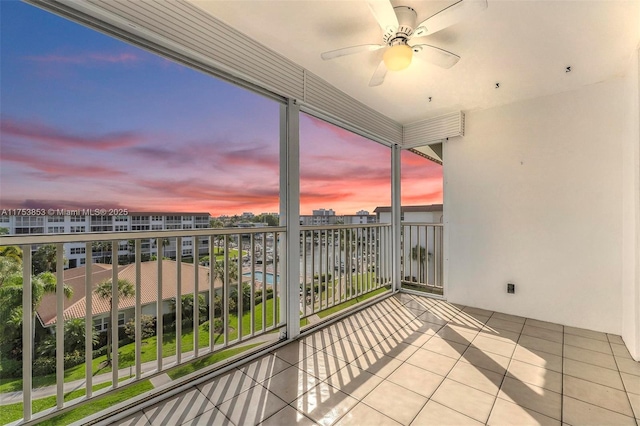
398 57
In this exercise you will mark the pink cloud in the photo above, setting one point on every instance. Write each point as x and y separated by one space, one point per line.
252 156
55 168
57 138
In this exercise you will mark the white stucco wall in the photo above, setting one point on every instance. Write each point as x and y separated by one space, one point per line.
631 216
533 196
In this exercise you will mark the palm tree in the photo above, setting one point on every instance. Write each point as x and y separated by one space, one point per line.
11 302
419 254
187 310
103 291
74 339
101 246
74 335
44 259
218 270
11 252
9 267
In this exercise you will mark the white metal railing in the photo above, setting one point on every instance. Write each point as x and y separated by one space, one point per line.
422 256
342 262
243 269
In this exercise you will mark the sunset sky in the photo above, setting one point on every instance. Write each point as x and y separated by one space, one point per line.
88 121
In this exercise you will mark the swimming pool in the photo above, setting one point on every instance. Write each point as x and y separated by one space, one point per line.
258 277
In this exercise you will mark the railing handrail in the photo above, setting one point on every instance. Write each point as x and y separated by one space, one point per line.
439 224
83 237
342 226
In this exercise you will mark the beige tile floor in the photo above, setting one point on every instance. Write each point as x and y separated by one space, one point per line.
416 361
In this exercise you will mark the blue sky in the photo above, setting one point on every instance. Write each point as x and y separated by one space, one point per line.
88 121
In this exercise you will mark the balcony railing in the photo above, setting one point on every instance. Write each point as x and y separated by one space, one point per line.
422 257
192 308
341 263
184 309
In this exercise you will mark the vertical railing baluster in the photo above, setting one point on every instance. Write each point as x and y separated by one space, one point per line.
179 300
264 282
313 272
419 254
212 293
341 248
276 300
354 258
88 321
240 302
333 266
195 253
425 271
350 272
409 253
367 253
27 333
138 308
225 292
59 325
252 251
115 304
326 267
435 259
441 256
379 255
389 255
159 319
304 288
320 261
359 261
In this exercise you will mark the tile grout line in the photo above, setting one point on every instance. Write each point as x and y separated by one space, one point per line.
503 376
385 379
623 385
361 400
438 387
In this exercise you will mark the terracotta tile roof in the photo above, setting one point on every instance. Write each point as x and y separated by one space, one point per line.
75 278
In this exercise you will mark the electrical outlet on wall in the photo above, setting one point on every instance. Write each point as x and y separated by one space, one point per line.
511 288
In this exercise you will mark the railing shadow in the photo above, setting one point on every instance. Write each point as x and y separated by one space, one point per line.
351 357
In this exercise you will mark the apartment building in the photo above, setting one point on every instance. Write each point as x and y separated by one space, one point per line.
75 253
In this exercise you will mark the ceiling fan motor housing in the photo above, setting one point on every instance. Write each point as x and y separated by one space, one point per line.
406 23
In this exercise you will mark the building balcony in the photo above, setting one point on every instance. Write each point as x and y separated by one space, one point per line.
240 285
361 339
389 324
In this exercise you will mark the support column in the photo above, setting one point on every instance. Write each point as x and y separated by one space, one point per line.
290 214
395 217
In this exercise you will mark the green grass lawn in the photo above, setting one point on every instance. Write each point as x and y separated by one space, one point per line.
190 367
99 404
360 283
233 253
341 306
149 350
12 412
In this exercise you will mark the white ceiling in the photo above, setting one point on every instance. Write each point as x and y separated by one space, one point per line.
523 45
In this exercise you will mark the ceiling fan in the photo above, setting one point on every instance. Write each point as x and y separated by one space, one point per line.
399 28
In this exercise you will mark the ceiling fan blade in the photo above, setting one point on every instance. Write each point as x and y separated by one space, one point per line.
378 76
453 14
383 11
350 51
435 55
